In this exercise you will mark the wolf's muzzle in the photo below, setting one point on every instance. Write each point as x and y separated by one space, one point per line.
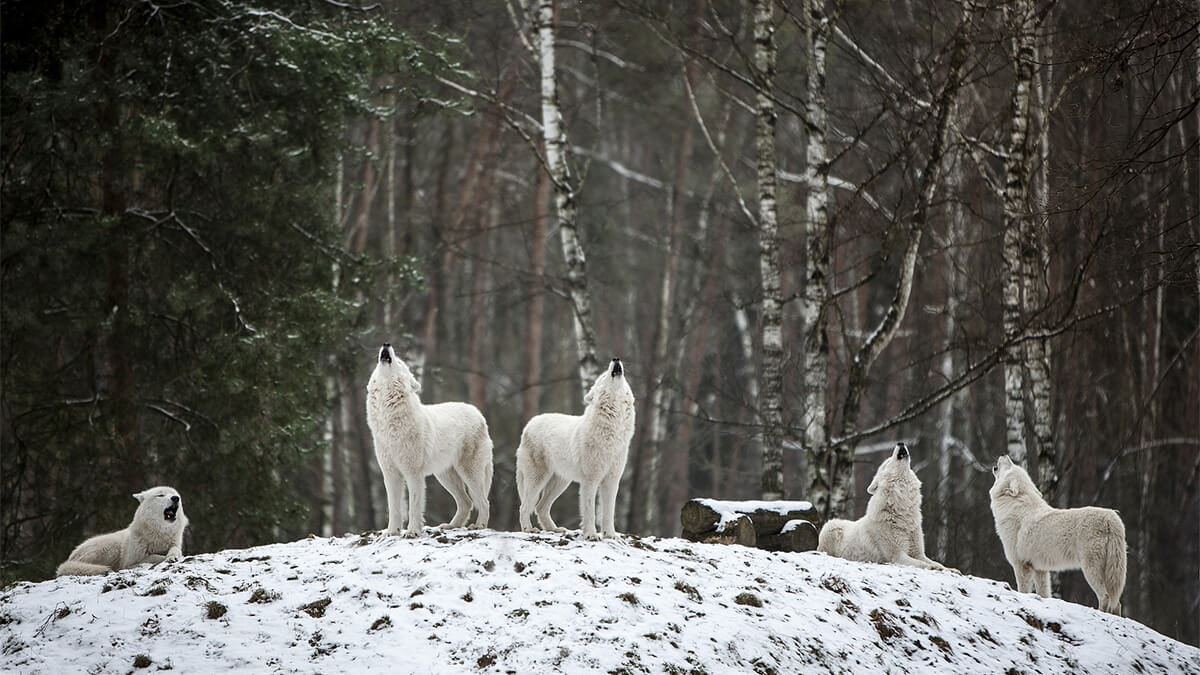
901 451
385 353
616 367
170 513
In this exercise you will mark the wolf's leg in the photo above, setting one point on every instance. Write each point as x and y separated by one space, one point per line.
925 563
608 504
393 484
550 492
1024 572
1041 579
457 489
416 505
587 507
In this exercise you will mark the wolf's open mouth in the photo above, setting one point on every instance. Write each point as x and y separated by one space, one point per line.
384 356
170 512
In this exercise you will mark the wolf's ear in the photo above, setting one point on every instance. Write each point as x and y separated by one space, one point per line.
414 384
587 398
1010 488
874 486
140 496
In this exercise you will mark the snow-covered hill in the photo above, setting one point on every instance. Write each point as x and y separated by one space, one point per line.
505 602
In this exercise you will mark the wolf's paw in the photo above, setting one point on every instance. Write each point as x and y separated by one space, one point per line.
591 536
477 526
952 570
612 535
413 533
557 529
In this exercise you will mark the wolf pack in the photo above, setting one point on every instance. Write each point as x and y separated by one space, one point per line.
451 441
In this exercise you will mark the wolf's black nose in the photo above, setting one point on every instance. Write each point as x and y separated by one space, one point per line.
385 355
616 367
901 451
174 499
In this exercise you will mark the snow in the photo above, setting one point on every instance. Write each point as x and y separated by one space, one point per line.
497 602
791 525
730 511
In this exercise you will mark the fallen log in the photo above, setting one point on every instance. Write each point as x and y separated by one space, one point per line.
739 530
708 515
796 536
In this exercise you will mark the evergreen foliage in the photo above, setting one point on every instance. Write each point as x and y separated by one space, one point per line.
173 281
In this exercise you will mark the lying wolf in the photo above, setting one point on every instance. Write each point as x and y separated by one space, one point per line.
891 531
1039 539
413 440
590 448
155 535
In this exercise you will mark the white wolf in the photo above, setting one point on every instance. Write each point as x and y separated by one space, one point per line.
1039 539
590 449
890 532
155 535
413 440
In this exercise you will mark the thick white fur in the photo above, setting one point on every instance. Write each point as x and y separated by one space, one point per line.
413 440
890 532
590 449
150 538
1039 539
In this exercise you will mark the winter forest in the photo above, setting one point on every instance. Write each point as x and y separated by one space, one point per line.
809 229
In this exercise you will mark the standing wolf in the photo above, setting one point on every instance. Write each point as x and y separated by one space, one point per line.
891 531
590 449
1039 539
155 535
413 440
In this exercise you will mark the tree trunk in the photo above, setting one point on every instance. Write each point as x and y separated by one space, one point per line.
1016 215
537 298
555 137
1036 262
822 463
770 404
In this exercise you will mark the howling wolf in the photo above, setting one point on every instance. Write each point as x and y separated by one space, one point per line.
590 448
155 535
413 440
1039 539
891 531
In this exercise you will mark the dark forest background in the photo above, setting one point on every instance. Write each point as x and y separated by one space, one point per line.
984 237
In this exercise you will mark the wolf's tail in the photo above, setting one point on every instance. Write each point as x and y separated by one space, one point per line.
1115 564
77 568
830 539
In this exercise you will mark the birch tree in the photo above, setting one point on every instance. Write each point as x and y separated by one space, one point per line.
889 324
823 465
555 138
770 402
1017 162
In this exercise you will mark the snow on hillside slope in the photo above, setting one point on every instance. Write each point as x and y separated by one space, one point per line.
508 602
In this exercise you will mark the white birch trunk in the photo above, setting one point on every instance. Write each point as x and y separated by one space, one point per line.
1036 256
555 137
1016 213
770 403
954 235
815 364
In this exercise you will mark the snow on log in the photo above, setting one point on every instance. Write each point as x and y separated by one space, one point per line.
777 525
737 530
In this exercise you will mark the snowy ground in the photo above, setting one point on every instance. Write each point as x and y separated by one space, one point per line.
504 602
